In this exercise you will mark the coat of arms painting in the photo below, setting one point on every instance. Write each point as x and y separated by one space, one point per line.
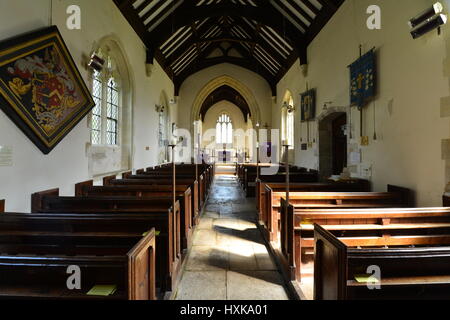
41 89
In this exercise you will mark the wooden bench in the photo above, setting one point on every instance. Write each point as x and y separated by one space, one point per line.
202 181
270 205
165 185
205 171
154 180
36 251
413 265
87 188
446 200
2 206
165 220
264 186
321 207
295 175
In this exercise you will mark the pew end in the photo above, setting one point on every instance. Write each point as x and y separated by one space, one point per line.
406 194
107 181
79 187
446 200
329 254
2 206
37 199
127 174
141 269
413 263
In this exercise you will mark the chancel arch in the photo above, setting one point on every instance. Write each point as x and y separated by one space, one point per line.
225 81
224 129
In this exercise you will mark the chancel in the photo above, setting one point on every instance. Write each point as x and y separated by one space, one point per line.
224 150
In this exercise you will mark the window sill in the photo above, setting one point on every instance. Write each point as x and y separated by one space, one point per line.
107 174
103 146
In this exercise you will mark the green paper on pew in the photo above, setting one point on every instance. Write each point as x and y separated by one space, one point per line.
157 233
366 278
102 290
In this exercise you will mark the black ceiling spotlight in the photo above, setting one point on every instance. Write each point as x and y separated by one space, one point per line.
430 19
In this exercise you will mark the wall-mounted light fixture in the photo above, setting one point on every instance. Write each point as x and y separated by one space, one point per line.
326 104
437 8
429 20
159 108
289 108
96 62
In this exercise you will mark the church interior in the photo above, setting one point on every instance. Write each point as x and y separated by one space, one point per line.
224 149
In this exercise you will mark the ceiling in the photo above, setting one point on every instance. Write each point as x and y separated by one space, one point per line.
264 36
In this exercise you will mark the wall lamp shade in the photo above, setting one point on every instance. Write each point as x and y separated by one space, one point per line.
96 63
437 8
429 25
289 108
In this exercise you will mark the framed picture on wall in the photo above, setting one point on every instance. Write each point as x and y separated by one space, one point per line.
41 89
308 105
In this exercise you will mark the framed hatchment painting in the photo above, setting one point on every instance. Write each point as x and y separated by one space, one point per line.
308 105
41 89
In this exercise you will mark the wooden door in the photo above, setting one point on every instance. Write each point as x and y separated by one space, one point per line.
339 144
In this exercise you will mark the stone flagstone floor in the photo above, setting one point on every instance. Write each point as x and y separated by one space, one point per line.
228 260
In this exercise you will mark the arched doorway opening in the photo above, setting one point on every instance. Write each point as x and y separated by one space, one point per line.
333 144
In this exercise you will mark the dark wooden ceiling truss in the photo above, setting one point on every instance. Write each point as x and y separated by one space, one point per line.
225 93
264 36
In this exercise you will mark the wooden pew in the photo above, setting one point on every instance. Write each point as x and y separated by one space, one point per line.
296 175
208 170
36 251
140 171
166 185
446 200
205 173
2 206
413 265
355 185
191 181
321 207
166 220
273 192
202 180
87 188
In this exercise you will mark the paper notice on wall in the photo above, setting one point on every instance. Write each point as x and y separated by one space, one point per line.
355 157
6 156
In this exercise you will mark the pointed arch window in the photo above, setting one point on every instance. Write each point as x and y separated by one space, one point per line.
288 122
224 130
105 115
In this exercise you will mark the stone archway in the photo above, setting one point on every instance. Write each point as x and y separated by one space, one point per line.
325 138
216 83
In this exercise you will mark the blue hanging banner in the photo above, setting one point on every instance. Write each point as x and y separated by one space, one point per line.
363 79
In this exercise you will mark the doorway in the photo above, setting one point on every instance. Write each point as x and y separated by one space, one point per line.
339 144
332 144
